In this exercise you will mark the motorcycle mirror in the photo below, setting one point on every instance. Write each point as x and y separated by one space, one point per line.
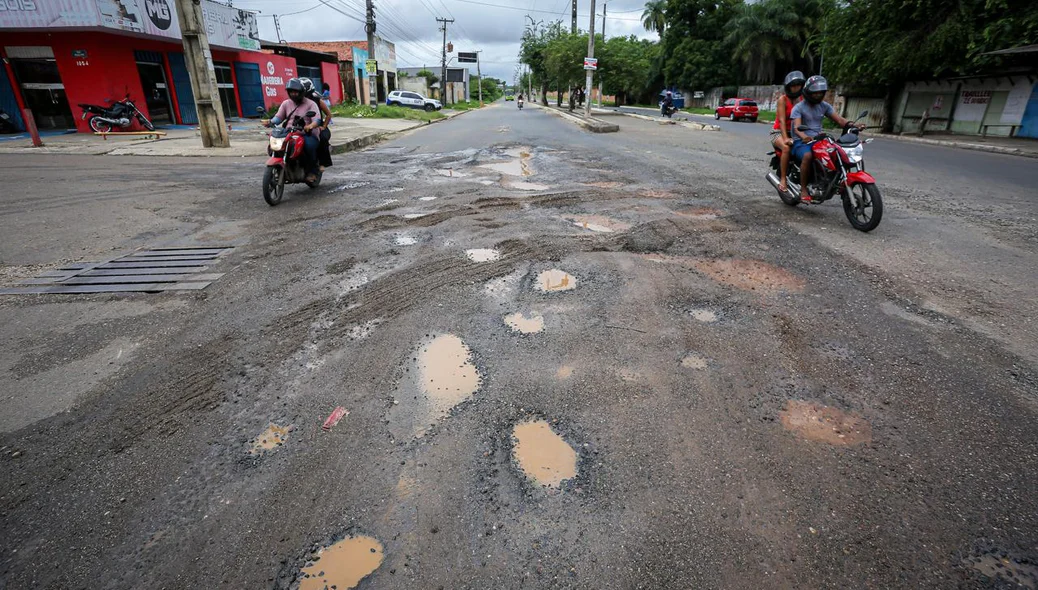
820 137
311 114
863 114
802 128
261 110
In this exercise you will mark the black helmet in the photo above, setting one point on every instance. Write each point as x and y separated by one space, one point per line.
294 85
815 89
794 78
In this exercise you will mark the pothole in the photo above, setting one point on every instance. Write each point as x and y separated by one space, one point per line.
703 315
564 372
750 275
270 439
482 254
542 454
405 240
528 186
555 280
450 173
343 564
822 423
426 198
1002 566
699 213
525 325
598 223
446 377
415 215
511 167
694 361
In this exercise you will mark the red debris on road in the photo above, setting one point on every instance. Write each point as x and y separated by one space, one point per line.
333 419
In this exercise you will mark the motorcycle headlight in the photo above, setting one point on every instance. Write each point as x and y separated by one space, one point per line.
276 143
855 153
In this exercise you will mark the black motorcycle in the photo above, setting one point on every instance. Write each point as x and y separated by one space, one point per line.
120 114
668 110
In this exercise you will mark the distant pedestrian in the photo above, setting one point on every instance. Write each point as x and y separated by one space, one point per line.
580 96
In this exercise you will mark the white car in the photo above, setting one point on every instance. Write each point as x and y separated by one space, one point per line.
414 100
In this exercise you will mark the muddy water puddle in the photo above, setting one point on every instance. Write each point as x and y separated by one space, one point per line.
512 168
405 240
555 280
820 423
446 377
703 315
750 275
564 372
598 223
482 254
343 564
270 439
523 324
1007 568
527 186
542 454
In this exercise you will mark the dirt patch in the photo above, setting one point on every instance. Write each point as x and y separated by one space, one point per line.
542 454
555 280
699 213
703 315
694 361
598 223
343 564
270 439
750 275
821 423
564 372
525 325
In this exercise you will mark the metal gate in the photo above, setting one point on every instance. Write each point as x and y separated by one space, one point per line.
250 89
8 103
182 85
1029 125
875 107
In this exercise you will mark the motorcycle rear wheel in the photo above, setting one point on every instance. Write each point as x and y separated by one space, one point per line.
869 213
273 187
100 125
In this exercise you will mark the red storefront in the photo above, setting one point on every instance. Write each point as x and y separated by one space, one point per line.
106 49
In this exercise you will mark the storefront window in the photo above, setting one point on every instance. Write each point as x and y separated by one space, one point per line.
225 83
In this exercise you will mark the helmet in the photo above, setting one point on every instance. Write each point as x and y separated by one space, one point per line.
794 78
308 85
815 89
294 85
669 93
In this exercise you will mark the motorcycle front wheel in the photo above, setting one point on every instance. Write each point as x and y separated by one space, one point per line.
866 214
100 125
273 185
146 123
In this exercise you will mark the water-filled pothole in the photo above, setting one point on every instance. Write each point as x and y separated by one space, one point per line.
528 186
703 315
446 377
511 167
405 240
525 325
270 439
822 423
750 275
694 361
542 454
555 280
343 564
482 254
598 223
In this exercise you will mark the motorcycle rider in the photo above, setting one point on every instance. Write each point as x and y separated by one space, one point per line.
781 137
810 112
298 105
324 152
668 104
519 100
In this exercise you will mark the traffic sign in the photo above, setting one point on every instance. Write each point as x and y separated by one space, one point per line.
467 57
371 66
590 63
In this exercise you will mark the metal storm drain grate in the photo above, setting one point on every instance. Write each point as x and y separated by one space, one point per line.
157 269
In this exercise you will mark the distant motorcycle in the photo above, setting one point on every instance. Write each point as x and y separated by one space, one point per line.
120 114
838 168
286 163
520 101
668 111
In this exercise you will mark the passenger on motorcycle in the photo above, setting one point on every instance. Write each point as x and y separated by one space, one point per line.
781 136
810 112
298 105
324 152
667 104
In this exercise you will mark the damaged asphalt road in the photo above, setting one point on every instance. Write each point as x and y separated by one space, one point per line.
563 360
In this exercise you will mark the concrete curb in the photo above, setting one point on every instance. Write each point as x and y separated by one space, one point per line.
979 147
593 125
688 124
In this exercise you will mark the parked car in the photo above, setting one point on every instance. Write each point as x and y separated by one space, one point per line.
404 98
737 108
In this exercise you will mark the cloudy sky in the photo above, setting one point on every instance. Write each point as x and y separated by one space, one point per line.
493 26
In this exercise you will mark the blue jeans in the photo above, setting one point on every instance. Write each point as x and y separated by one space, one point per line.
799 150
310 153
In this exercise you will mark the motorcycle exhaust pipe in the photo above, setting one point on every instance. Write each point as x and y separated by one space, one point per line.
773 179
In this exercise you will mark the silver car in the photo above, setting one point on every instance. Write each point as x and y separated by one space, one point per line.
405 98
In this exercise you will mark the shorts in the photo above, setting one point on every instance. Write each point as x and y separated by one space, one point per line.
800 149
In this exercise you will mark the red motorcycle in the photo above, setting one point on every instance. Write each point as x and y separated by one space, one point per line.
838 167
287 160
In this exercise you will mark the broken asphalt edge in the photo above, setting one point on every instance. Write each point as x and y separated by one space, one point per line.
593 125
687 124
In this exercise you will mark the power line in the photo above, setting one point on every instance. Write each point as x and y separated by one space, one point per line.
525 10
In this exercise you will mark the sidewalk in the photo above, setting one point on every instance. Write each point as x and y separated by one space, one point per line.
1015 146
591 124
247 139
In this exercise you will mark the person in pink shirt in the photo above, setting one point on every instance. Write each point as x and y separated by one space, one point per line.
298 105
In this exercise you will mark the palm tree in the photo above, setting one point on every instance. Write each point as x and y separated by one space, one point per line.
761 36
654 18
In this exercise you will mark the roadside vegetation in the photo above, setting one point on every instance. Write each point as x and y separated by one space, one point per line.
361 111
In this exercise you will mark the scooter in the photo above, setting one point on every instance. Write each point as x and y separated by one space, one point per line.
120 114
286 163
838 167
520 103
668 111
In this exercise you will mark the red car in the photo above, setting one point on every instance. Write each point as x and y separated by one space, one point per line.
737 108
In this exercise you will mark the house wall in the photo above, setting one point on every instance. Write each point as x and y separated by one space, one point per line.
978 106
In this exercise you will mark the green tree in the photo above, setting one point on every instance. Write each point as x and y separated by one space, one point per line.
694 53
654 18
626 66
533 50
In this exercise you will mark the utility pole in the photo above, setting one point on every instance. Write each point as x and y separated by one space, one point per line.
369 28
479 76
443 62
277 27
573 26
604 5
590 53
199 60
